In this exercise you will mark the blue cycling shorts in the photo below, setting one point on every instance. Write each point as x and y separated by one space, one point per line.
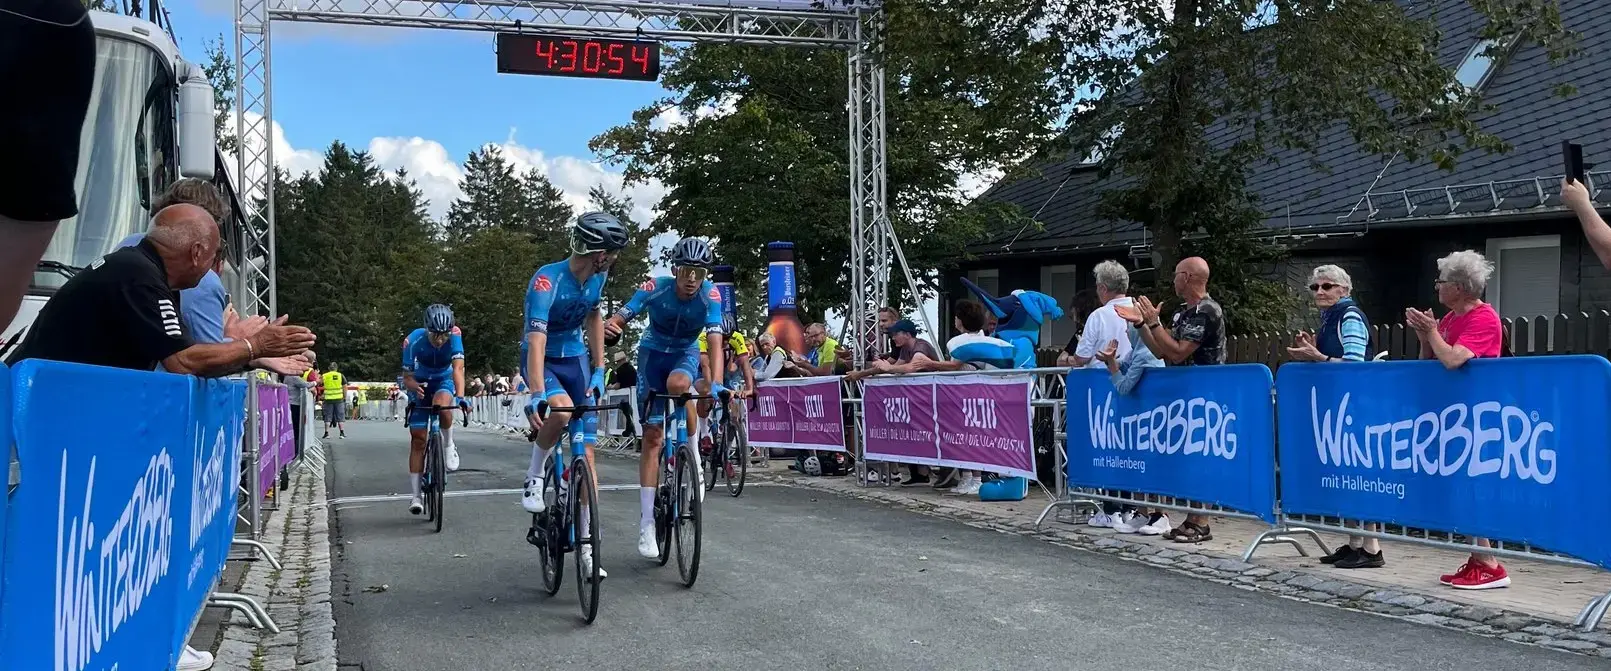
422 407
569 375
654 368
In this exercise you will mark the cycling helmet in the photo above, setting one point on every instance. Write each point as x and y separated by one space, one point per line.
597 232
439 318
692 252
727 325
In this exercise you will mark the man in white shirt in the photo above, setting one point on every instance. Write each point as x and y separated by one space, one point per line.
1104 324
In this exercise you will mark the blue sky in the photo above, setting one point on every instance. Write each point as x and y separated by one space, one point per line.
423 100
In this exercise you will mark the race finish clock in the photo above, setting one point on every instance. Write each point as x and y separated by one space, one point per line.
589 57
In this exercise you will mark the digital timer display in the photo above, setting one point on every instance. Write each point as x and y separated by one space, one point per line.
596 58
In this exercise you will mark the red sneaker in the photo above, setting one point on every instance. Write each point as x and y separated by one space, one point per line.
1465 569
1482 576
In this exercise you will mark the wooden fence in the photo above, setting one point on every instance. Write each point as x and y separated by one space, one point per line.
1562 334
1572 334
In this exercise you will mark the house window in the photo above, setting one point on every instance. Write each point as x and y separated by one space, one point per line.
988 279
1059 282
1478 67
1527 276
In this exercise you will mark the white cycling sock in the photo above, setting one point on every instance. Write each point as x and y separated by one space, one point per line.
539 462
447 433
414 483
646 498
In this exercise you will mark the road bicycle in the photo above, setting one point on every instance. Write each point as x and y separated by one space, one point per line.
565 489
729 454
679 500
433 482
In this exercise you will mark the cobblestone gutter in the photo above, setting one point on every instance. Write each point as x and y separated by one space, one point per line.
297 596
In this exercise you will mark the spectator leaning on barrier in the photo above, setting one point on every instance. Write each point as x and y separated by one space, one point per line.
123 310
819 358
1104 325
907 347
970 350
1470 330
1126 371
769 360
1344 335
1196 337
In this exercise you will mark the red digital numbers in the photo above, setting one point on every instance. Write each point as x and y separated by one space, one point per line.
546 54
617 64
570 56
592 55
640 55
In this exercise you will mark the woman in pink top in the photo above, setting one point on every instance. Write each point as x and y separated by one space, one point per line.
1469 331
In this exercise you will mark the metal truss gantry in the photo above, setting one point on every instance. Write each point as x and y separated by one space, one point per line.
852 29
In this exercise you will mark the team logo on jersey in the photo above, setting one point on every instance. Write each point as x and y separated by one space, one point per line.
542 283
715 295
536 326
648 285
456 331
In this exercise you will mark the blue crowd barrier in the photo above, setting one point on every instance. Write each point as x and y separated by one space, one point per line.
1508 449
5 496
123 518
1201 433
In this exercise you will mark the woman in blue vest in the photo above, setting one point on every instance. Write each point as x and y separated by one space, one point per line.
1344 335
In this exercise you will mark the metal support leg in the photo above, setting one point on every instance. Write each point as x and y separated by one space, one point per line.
1278 536
260 548
254 612
1593 613
1070 504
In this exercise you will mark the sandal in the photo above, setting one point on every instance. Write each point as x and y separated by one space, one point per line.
1191 532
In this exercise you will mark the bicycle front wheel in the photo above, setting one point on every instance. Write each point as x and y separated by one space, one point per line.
429 478
738 457
439 480
689 523
549 523
587 577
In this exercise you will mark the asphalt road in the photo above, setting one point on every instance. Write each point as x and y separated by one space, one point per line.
799 580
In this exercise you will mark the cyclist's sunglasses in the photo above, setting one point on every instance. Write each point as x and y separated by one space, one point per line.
691 272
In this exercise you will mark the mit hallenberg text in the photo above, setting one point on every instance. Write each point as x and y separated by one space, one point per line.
1475 439
1182 426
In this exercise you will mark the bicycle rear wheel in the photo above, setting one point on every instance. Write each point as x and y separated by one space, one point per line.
689 522
439 480
548 523
587 579
737 454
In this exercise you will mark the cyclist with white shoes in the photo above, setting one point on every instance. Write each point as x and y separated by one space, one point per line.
679 309
561 300
433 372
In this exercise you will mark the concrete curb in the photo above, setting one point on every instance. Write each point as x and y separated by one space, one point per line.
297 596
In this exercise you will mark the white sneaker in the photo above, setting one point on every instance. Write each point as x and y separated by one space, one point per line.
648 545
973 488
192 659
962 487
587 566
1130 523
1156 528
415 507
532 498
451 459
1102 520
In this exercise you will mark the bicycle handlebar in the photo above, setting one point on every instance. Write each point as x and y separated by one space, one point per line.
544 409
724 397
463 416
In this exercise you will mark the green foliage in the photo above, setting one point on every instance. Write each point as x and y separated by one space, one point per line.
1261 76
967 90
495 196
356 259
220 69
484 277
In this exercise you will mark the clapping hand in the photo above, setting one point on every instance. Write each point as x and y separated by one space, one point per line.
1420 320
1303 348
1146 310
236 328
1109 354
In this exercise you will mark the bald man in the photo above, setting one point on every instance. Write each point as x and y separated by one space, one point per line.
123 310
1195 337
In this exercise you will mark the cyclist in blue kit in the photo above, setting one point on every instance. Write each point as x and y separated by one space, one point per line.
679 309
562 298
433 373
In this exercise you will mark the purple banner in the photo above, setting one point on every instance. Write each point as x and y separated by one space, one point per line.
898 415
798 414
976 422
273 425
985 424
287 448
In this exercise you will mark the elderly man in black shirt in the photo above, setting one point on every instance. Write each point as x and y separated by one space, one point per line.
123 311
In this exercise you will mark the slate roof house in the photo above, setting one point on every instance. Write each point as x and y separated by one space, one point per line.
1383 219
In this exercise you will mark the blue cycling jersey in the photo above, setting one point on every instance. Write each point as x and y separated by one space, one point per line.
558 305
674 323
428 362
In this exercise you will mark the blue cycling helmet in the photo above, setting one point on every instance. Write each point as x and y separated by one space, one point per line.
693 252
439 318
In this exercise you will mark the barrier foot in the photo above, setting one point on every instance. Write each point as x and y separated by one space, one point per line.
1279 536
248 606
1593 613
260 547
1074 505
